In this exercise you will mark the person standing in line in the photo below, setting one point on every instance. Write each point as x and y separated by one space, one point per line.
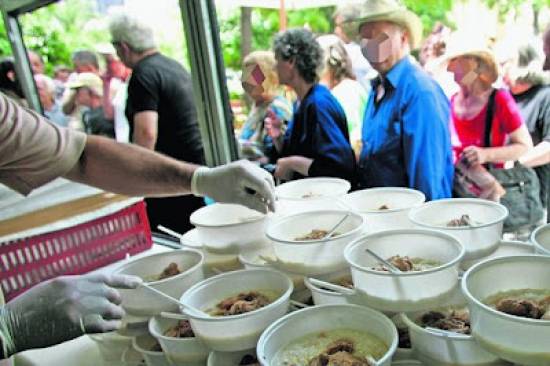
338 76
406 139
316 142
160 110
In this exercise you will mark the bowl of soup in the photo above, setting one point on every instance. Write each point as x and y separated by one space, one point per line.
170 272
427 264
477 223
385 208
509 302
348 334
238 306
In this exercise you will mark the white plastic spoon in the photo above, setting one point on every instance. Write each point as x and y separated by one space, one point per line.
393 269
188 309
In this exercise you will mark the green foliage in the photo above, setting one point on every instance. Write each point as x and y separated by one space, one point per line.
5 48
430 12
57 30
265 24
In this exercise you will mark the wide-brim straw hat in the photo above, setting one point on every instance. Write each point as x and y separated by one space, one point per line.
464 44
390 11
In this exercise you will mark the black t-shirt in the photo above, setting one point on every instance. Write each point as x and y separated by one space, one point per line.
534 106
160 84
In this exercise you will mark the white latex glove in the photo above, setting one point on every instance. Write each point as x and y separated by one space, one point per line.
62 309
239 182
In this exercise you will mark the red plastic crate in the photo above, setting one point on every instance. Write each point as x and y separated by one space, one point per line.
77 250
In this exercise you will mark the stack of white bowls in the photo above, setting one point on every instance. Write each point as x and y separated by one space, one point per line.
388 221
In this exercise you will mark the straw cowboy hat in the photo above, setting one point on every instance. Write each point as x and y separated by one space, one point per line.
394 12
469 44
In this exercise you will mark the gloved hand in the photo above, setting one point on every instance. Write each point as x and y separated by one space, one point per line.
62 309
239 182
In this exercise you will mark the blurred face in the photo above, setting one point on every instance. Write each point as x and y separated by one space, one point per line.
252 81
123 53
383 44
285 70
36 63
46 98
62 76
82 67
84 97
464 70
339 30
507 68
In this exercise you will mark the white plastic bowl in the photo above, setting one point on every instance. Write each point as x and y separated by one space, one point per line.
236 332
113 348
515 339
446 348
324 319
254 260
143 344
213 262
407 291
541 239
228 358
141 301
228 228
505 249
479 240
309 194
313 256
399 200
323 296
178 351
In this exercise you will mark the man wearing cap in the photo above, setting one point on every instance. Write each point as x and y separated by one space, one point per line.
89 93
406 140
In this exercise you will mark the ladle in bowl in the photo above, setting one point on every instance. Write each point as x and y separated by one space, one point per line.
393 269
327 235
188 309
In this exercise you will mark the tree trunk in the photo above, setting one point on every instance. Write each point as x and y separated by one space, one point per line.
246 31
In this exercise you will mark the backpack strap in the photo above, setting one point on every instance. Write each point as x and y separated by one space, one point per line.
489 119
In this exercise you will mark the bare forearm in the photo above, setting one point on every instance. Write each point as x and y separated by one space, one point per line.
144 141
505 153
70 105
131 170
539 155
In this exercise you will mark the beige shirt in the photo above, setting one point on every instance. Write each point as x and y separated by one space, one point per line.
34 151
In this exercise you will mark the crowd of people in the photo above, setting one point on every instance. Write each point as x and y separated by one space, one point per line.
401 121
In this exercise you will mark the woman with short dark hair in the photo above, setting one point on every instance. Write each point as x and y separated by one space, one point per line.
316 142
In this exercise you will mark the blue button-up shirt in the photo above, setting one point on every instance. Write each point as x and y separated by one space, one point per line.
406 141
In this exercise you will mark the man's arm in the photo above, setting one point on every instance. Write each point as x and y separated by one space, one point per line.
146 129
69 105
130 170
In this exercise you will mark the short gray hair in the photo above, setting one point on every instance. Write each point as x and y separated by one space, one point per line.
299 45
528 68
136 34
